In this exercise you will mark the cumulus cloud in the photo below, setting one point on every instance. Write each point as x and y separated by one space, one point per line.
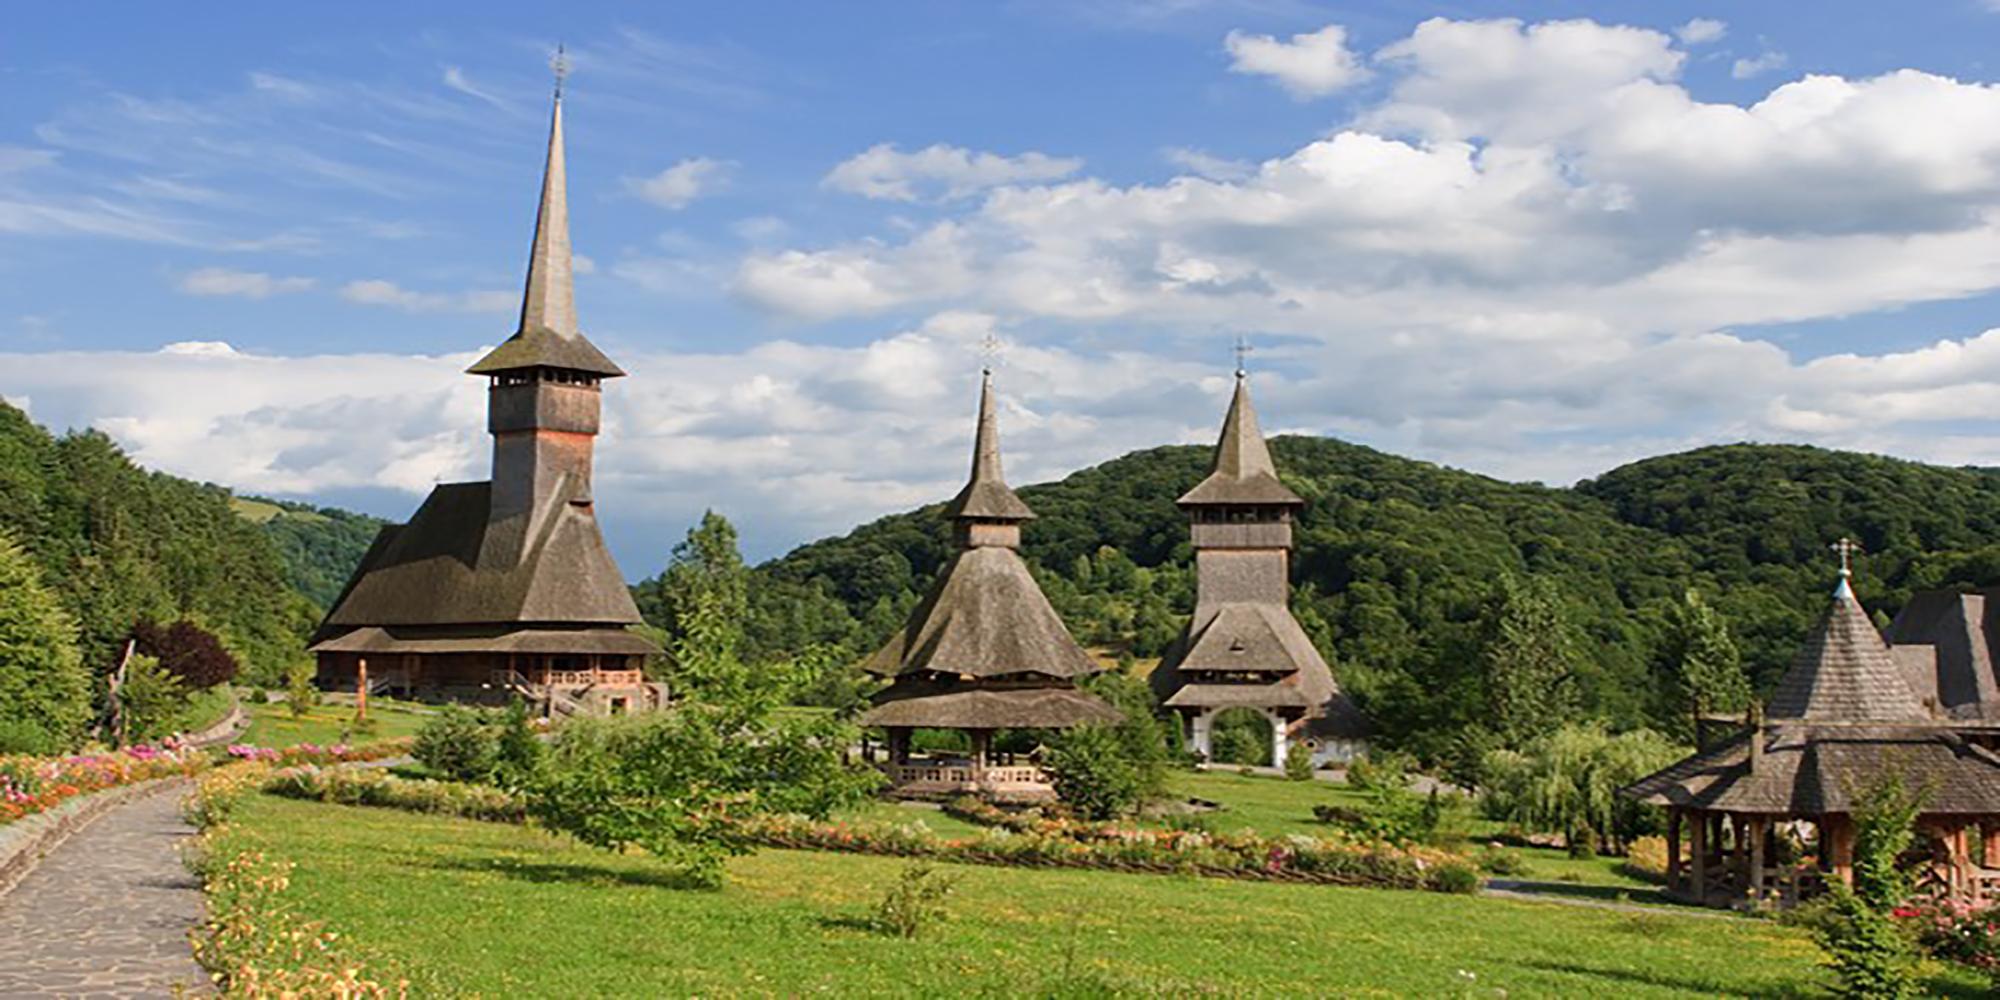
222 281
379 292
1701 31
1311 64
885 172
1744 69
682 183
1208 165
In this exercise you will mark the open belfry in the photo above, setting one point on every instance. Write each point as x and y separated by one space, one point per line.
984 652
1242 648
503 588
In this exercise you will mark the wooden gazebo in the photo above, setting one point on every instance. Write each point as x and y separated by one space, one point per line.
983 653
1766 816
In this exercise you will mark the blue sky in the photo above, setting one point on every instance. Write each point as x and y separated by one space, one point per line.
254 242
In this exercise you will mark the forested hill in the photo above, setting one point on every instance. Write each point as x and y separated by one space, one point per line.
320 545
1396 559
118 543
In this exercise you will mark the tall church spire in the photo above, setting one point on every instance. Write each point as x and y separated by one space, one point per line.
986 496
1243 472
550 301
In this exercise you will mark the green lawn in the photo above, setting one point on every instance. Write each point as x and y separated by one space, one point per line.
272 725
1274 805
473 908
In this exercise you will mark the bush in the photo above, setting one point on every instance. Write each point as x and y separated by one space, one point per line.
1497 860
24 736
300 694
1093 774
150 702
1241 736
458 744
1299 762
187 651
1646 858
915 901
1456 878
1378 770
1867 950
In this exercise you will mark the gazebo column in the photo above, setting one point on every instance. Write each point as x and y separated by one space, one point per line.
1758 828
899 745
1840 850
1280 740
982 742
1739 861
1698 857
1673 849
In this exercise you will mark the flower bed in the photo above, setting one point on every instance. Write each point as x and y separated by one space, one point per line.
312 753
30 785
354 787
253 942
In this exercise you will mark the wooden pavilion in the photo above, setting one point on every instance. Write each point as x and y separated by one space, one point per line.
1765 818
984 652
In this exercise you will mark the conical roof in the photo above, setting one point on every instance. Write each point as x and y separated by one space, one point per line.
548 335
1244 472
1844 673
986 495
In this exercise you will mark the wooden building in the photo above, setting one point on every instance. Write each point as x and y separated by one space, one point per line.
984 652
1766 816
1242 648
503 588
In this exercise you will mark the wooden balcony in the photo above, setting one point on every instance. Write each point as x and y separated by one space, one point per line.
951 778
568 678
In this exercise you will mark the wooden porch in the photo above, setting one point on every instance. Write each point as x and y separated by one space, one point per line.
1749 861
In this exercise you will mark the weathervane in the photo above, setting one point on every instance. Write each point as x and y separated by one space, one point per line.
990 347
1242 350
560 64
1846 547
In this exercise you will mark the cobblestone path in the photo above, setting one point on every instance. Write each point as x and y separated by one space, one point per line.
106 914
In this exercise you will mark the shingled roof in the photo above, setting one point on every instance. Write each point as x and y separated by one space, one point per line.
985 617
1243 472
1844 673
548 336
1944 643
439 569
986 495
1809 770
929 705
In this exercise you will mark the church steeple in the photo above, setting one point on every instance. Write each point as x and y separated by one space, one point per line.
1243 473
987 510
550 301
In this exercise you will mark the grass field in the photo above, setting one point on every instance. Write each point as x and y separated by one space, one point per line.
272 725
464 907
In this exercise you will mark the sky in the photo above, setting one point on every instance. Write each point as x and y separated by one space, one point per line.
258 243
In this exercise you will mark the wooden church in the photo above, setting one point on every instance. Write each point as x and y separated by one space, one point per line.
505 588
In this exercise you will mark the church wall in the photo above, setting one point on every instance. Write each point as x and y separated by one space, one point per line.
1225 576
545 405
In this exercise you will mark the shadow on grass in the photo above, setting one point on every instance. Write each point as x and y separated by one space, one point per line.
1667 981
1584 890
656 877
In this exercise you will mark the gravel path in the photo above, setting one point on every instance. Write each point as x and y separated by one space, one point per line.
106 914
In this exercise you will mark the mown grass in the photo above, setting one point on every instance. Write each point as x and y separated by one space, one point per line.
471 908
272 724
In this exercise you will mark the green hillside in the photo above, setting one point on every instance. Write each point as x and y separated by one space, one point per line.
1396 557
320 545
118 543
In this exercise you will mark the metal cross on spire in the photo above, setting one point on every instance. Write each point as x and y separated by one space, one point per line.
1846 548
990 349
559 63
1242 350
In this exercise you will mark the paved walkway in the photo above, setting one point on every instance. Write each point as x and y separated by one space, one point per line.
106 914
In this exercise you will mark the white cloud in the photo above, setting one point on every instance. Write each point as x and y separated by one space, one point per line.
580 264
378 292
682 183
1202 164
1701 31
1312 64
1744 69
455 78
239 284
885 172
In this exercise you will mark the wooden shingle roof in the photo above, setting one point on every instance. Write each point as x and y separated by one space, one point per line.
986 496
1809 770
1844 673
1243 473
984 617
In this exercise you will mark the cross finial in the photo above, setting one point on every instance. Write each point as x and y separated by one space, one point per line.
1846 547
1242 351
990 348
559 63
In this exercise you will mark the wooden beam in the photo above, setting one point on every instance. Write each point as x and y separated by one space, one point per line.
1758 827
1673 849
1698 857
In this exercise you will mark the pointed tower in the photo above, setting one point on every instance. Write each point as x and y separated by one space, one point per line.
983 652
1242 647
1844 672
505 588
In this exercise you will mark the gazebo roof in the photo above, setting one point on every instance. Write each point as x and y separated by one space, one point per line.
1809 770
985 617
927 704
1844 673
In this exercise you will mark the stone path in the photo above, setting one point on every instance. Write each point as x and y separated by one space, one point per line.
106 914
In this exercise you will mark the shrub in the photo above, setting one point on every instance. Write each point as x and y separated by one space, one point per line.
1241 736
1456 878
1868 951
25 736
150 702
458 744
189 652
1378 770
915 901
1497 860
1646 858
1299 762
1093 773
300 694
517 753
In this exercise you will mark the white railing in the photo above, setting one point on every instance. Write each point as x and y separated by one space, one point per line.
568 678
965 775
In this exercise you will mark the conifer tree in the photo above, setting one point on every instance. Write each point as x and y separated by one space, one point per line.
1705 671
1530 661
44 690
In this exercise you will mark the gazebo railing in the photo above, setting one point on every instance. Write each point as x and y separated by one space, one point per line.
964 774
